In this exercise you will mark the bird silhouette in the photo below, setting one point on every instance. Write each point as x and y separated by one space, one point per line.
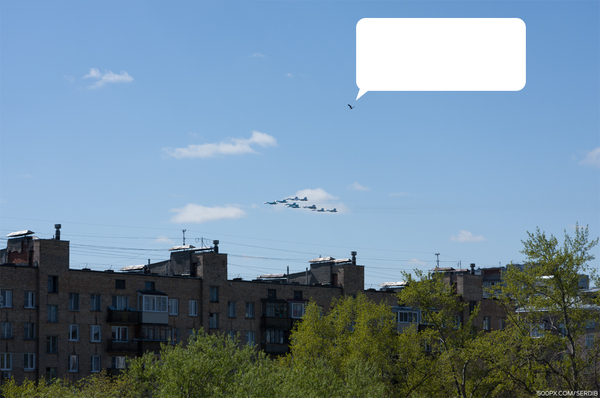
351 107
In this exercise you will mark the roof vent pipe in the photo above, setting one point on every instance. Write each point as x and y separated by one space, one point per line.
57 235
472 268
353 258
216 246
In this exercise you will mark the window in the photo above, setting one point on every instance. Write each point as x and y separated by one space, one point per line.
231 309
214 294
272 293
28 331
232 335
173 307
155 303
50 373
119 333
52 313
6 330
407 317
590 324
6 300
456 321
29 300
274 336
297 294
118 362
96 333
562 330
193 307
28 362
275 310
249 310
73 363
156 332
486 323
472 305
250 338
51 344
297 310
589 340
5 361
501 323
96 364
52 284
537 330
120 284
73 332
120 302
95 302
174 338
213 321
73 301
150 286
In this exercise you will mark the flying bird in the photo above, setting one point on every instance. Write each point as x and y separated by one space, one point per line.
351 107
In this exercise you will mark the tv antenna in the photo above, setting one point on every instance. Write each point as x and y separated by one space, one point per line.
438 259
183 230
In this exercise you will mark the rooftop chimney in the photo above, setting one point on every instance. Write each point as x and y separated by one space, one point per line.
57 235
216 246
353 258
472 268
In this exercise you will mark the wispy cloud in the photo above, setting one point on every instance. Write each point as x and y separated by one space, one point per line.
321 198
233 146
592 158
399 194
466 236
257 55
355 186
69 78
417 263
107 77
289 74
164 239
193 213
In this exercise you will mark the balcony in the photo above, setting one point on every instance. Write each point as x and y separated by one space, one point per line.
276 323
275 349
150 346
123 316
122 346
155 317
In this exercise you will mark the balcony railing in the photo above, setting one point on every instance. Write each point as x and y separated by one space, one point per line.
120 316
122 346
150 346
276 323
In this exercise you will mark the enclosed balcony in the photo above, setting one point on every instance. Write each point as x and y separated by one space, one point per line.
122 346
123 316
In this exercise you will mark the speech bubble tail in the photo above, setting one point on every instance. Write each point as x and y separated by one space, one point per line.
361 92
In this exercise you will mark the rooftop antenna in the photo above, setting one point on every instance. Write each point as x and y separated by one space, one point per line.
183 230
438 259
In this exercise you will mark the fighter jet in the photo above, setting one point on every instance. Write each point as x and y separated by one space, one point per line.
271 203
321 210
303 200
292 205
332 211
312 207
281 201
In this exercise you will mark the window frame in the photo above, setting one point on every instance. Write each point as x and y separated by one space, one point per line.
73 363
118 362
231 309
250 310
6 294
93 360
6 331
6 361
213 320
117 302
73 332
251 341
153 303
29 299
51 344
193 307
95 302
52 313
52 284
294 310
98 329
117 333
28 359
31 329
487 323
213 294
73 301
173 309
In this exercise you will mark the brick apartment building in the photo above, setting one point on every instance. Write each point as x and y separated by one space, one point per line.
70 323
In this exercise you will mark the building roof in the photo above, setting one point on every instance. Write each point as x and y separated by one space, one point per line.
20 233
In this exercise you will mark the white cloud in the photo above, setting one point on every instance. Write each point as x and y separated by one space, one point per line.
197 214
592 158
355 186
107 77
257 55
321 198
419 263
399 194
164 239
289 75
69 78
233 146
466 236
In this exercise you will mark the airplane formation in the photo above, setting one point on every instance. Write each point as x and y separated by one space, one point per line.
294 205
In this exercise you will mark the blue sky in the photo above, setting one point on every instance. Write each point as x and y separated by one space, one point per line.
127 122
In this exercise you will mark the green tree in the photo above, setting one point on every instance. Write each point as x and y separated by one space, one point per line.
550 315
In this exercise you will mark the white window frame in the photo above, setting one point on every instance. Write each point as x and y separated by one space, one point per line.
120 333
29 300
95 302
250 337
274 336
73 332
96 364
155 303
96 330
73 363
31 326
213 320
487 323
6 299
121 303
119 362
297 310
7 330
173 306
28 362
73 301
250 310
193 307
6 361
231 309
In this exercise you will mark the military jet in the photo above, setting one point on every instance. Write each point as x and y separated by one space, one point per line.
321 210
281 201
312 207
332 211
292 205
302 200
271 203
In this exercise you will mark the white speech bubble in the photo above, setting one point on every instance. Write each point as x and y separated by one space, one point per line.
440 54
